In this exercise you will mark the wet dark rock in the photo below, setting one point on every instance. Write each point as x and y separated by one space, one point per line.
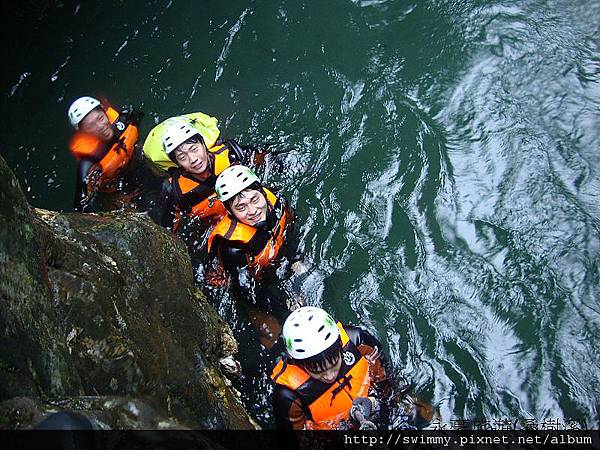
103 413
105 305
97 413
34 359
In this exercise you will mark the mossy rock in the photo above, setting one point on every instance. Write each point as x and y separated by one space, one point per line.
105 305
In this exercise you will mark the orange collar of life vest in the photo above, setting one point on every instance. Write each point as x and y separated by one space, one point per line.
220 161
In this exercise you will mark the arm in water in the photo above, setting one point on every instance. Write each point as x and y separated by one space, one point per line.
164 213
288 410
254 154
88 180
226 262
399 408
366 409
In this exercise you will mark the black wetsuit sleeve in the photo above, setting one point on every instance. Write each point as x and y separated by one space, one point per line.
286 409
239 154
232 258
164 212
366 342
81 187
360 336
134 116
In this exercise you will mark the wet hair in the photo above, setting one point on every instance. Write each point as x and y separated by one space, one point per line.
326 358
256 186
193 140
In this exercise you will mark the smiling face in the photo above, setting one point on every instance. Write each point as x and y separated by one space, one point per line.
249 207
96 122
193 158
330 371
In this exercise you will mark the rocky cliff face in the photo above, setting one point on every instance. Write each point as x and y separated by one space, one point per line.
105 306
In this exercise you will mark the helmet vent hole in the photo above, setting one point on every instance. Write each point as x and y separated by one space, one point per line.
310 318
328 334
300 350
297 340
239 174
296 324
320 329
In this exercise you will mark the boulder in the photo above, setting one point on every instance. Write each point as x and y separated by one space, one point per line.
105 305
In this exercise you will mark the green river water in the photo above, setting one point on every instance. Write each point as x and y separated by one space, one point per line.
445 173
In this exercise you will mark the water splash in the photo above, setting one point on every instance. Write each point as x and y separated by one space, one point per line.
54 76
228 41
18 84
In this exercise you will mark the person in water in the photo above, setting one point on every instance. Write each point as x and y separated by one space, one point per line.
190 188
332 376
254 229
103 142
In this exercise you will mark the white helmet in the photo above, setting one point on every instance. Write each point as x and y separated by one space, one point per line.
234 180
176 132
79 109
309 331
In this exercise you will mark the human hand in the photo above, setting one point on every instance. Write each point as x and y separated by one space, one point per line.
373 356
216 277
136 116
92 182
361 409
367 425
259 158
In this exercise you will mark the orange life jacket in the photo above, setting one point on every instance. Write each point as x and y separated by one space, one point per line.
231 229
328 405
195 198
85 145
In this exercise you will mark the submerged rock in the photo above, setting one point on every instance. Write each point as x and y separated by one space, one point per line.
105 305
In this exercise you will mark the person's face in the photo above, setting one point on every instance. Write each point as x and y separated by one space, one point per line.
250 207
96 122
329 373
193 158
